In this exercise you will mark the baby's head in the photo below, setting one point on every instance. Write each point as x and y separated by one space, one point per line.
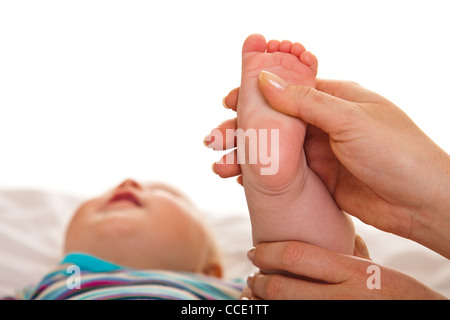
151 226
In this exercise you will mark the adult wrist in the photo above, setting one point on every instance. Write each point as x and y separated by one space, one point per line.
431 224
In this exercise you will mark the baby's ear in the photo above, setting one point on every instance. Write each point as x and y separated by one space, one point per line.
213 269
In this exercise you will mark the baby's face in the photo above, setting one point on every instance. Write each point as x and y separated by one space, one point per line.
141 226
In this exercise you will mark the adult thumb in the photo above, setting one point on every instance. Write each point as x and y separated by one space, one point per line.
318 108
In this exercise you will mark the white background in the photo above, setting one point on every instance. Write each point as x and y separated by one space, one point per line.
92 92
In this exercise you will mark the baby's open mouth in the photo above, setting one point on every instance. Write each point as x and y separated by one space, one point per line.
125 197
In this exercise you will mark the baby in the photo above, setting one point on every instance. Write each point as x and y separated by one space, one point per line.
149 241
137 242
292 203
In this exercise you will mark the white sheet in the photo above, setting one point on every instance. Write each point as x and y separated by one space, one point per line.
32 225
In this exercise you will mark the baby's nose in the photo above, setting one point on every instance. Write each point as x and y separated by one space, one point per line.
130 183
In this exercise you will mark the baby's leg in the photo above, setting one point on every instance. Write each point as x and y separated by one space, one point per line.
287 201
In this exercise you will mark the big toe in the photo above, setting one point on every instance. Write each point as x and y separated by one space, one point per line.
254 43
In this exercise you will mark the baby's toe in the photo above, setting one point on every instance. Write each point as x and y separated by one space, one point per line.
273 46
285 46
310 60
297 49
253 44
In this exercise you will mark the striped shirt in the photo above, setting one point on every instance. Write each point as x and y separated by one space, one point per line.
84 277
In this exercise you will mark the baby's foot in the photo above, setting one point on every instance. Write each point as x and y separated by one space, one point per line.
290 203
295 65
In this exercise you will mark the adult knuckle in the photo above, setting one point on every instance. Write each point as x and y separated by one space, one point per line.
356 273
273 287
309 93
352 116
292 254
350 121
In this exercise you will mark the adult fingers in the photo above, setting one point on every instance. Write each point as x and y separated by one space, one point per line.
248 295
395 285
347 90
231 100
280 287
323 110
305 260
227 166
222 137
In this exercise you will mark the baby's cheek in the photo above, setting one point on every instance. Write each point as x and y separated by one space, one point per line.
189 241
89 207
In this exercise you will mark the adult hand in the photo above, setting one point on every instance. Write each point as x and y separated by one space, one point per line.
318 273
378 165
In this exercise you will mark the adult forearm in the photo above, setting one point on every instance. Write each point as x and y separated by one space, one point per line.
431 224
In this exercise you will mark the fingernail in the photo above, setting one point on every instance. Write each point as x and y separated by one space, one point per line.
250 279
361 248
224 103
251 254
273 80
207 140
